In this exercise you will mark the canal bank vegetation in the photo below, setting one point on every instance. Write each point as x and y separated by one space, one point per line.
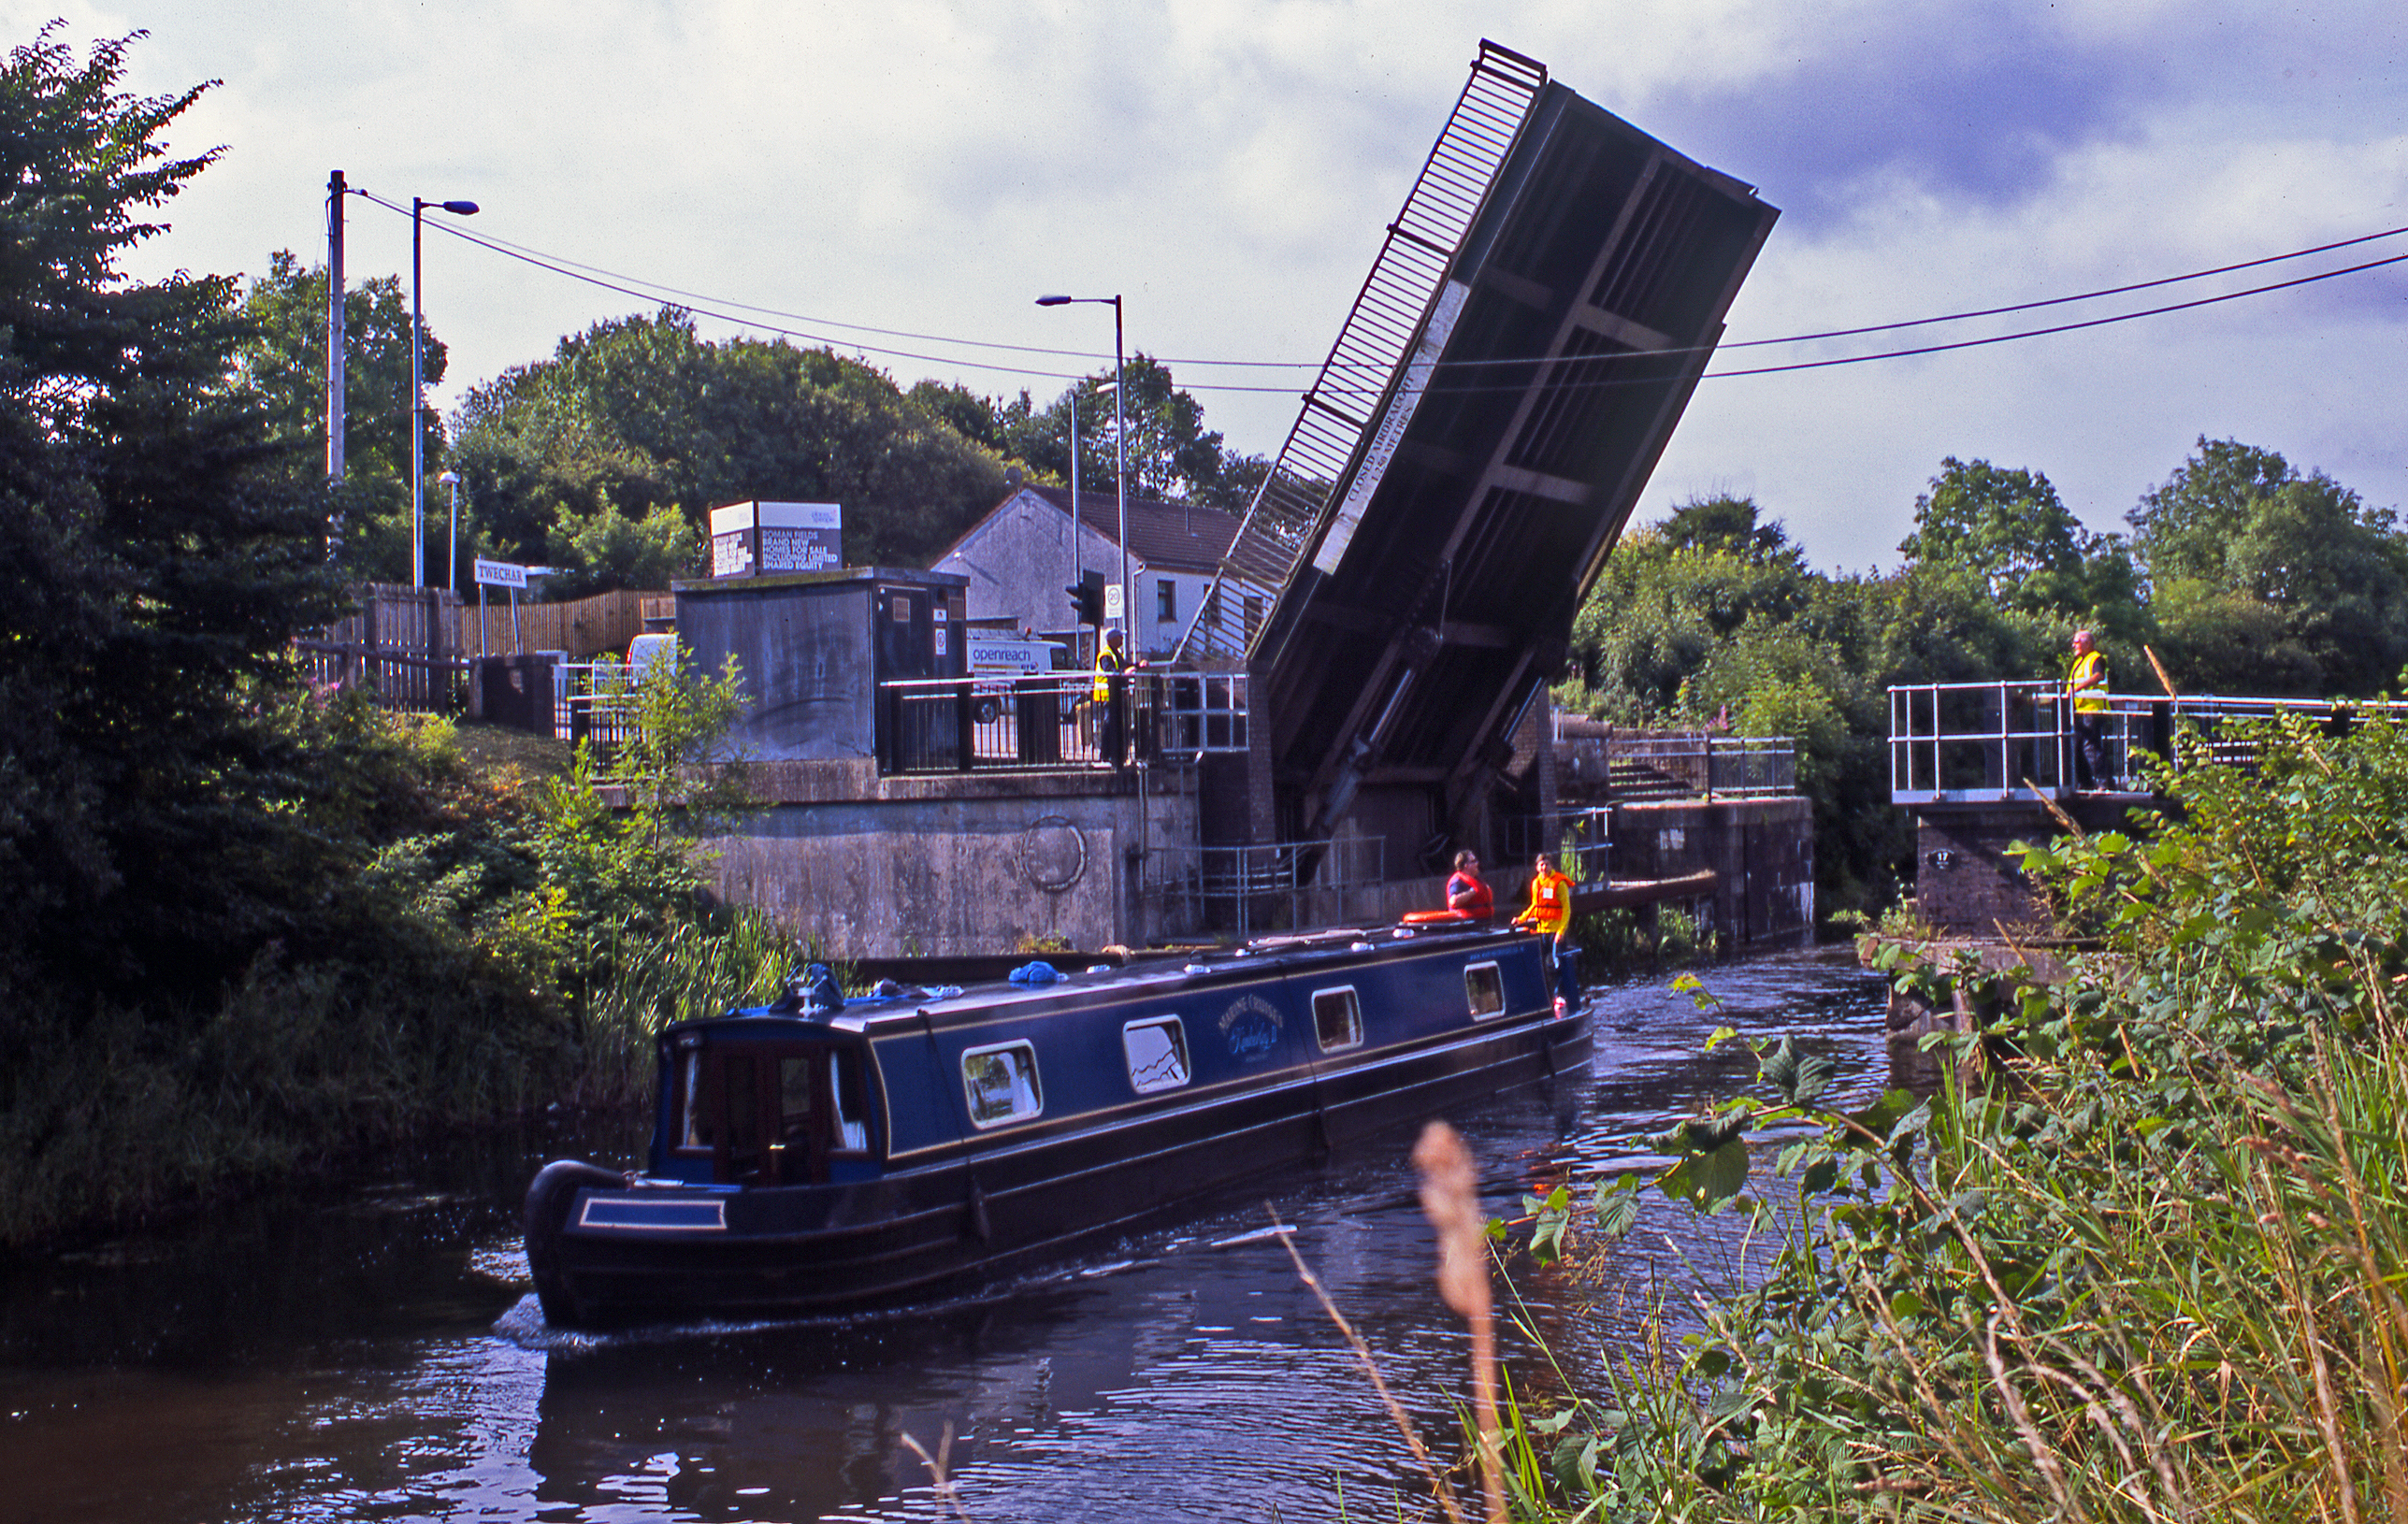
2244 573
254 930
438 944
2147 1259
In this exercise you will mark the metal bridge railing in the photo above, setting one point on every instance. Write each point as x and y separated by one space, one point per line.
1579 840
1975 742
1703 767
1274 886
1368 362
1052 721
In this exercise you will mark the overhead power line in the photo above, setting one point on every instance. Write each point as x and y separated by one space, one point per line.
730 311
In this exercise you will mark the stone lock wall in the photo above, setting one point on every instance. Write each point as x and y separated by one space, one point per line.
946 867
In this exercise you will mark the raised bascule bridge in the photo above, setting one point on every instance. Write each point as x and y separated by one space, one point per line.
1363 688
1403 586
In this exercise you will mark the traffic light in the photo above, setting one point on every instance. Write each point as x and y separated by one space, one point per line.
1087 598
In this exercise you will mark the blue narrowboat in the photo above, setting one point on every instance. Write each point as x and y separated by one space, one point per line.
826 1153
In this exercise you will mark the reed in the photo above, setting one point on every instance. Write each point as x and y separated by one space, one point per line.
648 978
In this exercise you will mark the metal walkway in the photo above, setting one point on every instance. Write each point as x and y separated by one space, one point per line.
2011 742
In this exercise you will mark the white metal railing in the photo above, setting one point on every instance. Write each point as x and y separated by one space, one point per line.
1052 720
1974 742
1203 711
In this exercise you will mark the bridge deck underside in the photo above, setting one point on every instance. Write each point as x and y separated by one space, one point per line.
1584 302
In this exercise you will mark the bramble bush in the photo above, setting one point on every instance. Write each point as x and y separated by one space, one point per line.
2146 1263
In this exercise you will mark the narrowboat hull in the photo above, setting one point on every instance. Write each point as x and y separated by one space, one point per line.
953 1200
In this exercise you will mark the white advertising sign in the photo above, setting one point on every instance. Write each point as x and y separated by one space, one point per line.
763 537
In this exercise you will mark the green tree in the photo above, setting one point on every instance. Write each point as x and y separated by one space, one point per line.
1724 522
2006 526
642 412
159 557
1171 453
282 361
973 417
599 552
1713 615
1671 593
2270 581
2010 529
2182 526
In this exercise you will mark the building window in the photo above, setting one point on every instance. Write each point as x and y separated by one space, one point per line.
1337 1019
1158 1055
1166 600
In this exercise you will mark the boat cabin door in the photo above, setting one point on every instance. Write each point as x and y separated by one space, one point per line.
774 1115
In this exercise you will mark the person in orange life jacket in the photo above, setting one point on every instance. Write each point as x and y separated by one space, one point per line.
2085 687
1111 690
1465 892
1550 914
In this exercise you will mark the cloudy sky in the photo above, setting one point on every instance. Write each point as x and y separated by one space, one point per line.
928 168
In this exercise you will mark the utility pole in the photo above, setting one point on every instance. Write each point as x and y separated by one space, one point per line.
335 192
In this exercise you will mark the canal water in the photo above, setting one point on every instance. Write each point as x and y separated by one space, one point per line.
382 1356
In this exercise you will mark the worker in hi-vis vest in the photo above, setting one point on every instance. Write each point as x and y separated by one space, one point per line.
1111 691
2085 684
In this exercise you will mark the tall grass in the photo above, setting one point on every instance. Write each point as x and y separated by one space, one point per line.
692 969
111 1114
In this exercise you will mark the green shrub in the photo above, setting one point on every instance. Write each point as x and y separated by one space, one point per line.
2150 1267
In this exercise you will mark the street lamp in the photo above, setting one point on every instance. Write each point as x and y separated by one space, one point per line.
1120 456
418 391
452 568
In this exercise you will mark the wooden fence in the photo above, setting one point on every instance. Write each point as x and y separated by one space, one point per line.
411 646
584 629
398 645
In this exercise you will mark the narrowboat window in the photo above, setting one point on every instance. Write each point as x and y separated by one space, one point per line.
1001 1084
794 1097
1158 1055
1337 1019
1484 988
852 1101
699 1134
744 1102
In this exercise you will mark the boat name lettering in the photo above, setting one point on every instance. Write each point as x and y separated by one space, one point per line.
1251 1026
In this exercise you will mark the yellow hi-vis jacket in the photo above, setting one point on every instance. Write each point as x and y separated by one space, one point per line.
1108 664
2087 682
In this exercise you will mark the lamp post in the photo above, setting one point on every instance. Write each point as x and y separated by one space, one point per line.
417 389
451 567
1077 552
1119 456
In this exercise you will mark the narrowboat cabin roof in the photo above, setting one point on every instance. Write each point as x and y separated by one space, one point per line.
908 1005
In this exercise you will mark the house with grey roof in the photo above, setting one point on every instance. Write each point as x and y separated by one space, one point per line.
1023 556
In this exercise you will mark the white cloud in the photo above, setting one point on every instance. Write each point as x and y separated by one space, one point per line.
931 167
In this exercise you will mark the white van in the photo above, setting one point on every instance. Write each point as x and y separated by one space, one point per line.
1010 656
1003 655
646 649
